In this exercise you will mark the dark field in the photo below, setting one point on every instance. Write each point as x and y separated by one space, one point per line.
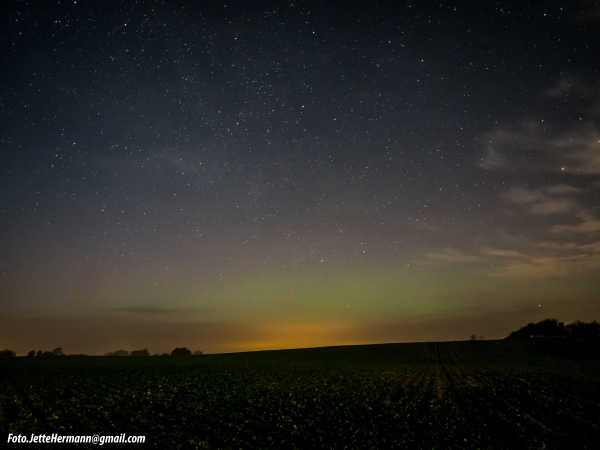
483 394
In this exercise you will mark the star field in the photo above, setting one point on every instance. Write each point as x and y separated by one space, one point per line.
275 166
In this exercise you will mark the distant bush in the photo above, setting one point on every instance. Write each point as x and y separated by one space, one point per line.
180 352
585 331
118 353
58 351
7 353
545 328
551 328
143 352
198 353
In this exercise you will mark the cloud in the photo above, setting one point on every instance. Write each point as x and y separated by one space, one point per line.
523 196
555 199
562 88
518 264
580 150
553 206
452 255
546 266
503 253
500 143
426 226
591 247
562 246
525 258
152 310
571 148
545 259
529 147
553 256
586 225
493 159
144 310
560 189
571 85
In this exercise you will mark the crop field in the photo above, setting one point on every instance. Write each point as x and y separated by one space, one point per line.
487 394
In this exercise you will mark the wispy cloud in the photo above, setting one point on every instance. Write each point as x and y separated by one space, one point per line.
587 224
538 146
503 253
566 246
558 199
523 196
145 310
452 255
545 259
566 241
553 206
561 189
554 199
564 259
550 258
546 266
571 85
426 226
529 146
493 159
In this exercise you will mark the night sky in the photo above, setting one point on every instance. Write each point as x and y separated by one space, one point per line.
236 176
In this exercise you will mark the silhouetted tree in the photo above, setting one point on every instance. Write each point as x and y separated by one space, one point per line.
39 353
118 353
551 328
198 353
7 353
181 352
589 332
545 328
58 351
31 354
143 352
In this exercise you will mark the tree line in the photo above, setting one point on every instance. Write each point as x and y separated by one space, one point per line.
177 352
588 332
